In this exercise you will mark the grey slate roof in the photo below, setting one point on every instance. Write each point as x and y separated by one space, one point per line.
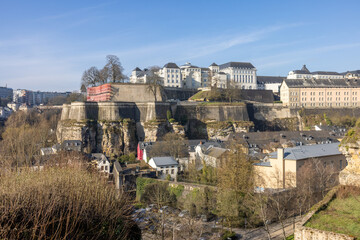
164 161
326 73
214 65
354 72
310 151
265 164
270 79
171 65
137 69
237 65
322 83
215 151
262 139
303 70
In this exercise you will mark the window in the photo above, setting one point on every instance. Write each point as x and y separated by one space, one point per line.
102 168
106 168
172 171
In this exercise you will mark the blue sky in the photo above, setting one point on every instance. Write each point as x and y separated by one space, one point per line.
46 45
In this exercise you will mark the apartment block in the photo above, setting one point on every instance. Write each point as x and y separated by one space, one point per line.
320 93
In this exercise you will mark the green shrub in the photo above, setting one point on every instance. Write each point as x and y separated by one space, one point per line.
177 191
168 114
141 184
228 235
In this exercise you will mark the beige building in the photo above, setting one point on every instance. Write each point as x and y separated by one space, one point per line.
320 93
283 168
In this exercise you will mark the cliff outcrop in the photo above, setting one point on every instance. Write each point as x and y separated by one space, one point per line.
350 147
111 137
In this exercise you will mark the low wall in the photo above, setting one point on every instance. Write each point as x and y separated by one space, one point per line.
306 233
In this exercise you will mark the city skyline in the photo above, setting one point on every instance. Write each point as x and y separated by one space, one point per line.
47 46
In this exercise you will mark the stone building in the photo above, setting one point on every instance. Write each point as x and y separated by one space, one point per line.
284 167
320 93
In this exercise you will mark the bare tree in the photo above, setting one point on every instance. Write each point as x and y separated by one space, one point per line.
231 92
114 69
171 144
90 77
155 82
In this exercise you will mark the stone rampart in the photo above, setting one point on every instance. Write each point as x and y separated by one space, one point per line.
203 112
113 111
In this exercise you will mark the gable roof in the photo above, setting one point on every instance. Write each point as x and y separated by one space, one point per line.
270 79
214 65
137 69
353 72
171 65
215 152
263 139
310 151
164 161
303 70
236 65
326 73
322 83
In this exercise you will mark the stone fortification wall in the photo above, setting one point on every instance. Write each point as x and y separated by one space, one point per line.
124 92
268 111
205 112
113 111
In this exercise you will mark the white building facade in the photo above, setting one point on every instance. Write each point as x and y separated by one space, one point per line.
304 73
240 75
164 166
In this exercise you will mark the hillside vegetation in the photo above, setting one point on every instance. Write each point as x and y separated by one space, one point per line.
62 203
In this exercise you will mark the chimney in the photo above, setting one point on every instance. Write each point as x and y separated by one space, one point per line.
281 160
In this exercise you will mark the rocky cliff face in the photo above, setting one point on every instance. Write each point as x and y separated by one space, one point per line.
216 129
156 129
351 174
112 137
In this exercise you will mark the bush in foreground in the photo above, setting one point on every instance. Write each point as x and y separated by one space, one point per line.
62 203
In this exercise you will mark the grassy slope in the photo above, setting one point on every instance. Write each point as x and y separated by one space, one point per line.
341 216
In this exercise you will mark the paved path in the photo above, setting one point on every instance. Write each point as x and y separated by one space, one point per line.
275 230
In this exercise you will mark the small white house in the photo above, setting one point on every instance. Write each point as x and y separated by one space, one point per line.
165 166
103 164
